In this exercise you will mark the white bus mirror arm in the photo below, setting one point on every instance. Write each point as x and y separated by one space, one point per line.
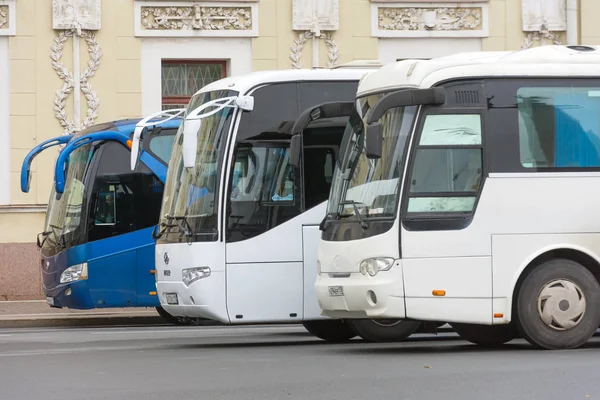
135 145
139 128
245 103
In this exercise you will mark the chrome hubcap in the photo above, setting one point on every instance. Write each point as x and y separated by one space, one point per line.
561 304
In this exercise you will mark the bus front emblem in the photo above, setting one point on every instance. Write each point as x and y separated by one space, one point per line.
166 258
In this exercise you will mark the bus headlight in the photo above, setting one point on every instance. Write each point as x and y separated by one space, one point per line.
77 272
191 275
372 266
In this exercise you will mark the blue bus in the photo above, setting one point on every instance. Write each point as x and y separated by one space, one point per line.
97 249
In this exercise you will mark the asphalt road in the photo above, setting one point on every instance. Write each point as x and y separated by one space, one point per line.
280 362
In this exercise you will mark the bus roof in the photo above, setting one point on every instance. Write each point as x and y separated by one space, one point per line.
540 61
244 83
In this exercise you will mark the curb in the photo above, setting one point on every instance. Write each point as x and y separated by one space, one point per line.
94 321
80 321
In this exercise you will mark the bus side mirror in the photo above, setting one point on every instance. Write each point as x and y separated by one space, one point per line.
374 140
295 150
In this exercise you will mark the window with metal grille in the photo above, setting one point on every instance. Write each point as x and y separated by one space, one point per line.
182 78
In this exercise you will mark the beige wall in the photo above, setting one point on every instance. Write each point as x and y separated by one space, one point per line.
273 48
589 28
34 84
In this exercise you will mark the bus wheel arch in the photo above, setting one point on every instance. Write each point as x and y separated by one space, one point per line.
380 331
577 255
170 318
571 280
330 330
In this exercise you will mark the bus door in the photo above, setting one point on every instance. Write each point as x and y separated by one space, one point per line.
317 135
122 209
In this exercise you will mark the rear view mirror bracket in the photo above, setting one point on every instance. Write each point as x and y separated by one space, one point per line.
404 98
295 150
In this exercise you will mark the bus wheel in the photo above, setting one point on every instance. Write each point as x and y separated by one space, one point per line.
558 305
334 330
170 318
384 330
486 335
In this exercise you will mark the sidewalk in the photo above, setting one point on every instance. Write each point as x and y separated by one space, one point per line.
38 313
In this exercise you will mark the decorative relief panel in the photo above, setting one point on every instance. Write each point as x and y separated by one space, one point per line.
163 18
4 17
76 19
537 14
307 15
311 17
85 14
7 18
544 21
429 20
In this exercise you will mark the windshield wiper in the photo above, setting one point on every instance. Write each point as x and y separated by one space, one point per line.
181 223
363 224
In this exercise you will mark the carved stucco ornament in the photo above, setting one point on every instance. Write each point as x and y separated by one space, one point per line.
543 21
76 19
315 19
3 17
196 17
430 19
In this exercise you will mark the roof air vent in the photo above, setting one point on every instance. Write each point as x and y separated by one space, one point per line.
581 48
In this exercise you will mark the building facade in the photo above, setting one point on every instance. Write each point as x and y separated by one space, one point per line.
68 64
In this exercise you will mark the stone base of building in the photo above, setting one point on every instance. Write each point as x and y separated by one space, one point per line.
20 277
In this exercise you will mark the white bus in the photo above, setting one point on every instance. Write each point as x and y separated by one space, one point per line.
469 194
239 227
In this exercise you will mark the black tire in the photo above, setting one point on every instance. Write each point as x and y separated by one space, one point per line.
385 330
572 283
169 318
486 335
334 330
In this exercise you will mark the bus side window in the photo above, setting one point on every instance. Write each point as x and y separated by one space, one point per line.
447 168
318 173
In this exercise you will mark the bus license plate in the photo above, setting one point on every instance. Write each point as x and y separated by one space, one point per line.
335 291
171 298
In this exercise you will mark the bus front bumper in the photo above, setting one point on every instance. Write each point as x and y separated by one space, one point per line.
204 298
362 296
74 295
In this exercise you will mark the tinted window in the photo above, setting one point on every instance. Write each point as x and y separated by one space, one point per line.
543 124
265 191
559 127
313 93
275 110
159 143
122 200
318 173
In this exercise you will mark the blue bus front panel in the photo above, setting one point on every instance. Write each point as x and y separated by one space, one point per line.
73 294
119 273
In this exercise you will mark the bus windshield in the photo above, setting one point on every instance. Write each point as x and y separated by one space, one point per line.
191 195
368 186
64 215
